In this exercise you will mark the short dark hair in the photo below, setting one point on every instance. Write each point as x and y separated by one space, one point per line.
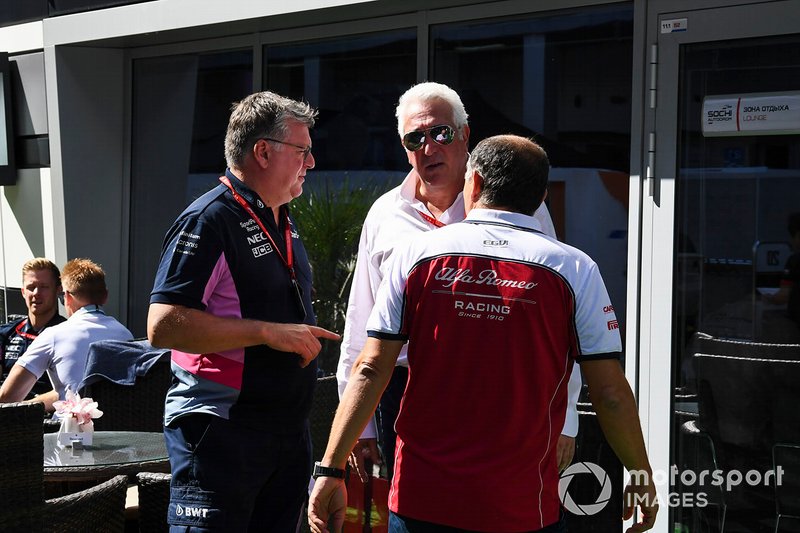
260 115
514 171
85 279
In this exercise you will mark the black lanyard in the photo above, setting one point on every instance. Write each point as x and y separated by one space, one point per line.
288 261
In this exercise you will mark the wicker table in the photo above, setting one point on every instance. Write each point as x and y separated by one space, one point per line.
111 453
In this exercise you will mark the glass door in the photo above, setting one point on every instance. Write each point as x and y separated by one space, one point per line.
720 331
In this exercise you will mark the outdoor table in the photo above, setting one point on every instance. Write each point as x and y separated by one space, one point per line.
111 453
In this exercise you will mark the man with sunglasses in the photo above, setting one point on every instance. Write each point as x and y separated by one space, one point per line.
232 299
61 350
41 285
432 124
495 314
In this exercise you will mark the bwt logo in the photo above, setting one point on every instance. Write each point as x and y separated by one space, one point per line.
191 511
579 469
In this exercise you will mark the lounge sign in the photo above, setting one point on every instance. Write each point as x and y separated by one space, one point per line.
752 114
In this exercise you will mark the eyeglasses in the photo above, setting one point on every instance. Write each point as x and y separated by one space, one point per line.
441 134
61 297
304 149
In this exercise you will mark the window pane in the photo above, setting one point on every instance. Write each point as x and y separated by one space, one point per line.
564 79
355 83
736 329
181 106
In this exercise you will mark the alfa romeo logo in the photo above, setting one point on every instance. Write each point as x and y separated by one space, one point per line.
584 509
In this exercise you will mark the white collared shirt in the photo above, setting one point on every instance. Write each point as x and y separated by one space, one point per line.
61 350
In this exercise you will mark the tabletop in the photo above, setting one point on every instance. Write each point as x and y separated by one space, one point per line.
111 453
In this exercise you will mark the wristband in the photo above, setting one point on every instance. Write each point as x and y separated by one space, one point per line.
327 471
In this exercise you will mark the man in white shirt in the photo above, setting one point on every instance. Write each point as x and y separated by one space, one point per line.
433 128
61 350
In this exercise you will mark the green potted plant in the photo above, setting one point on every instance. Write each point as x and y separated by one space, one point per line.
329 217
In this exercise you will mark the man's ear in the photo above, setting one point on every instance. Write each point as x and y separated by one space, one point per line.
477 186
261 153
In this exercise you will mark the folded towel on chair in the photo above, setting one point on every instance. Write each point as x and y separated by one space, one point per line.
121 361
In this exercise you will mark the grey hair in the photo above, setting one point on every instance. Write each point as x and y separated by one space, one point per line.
427 91
514 171
259 115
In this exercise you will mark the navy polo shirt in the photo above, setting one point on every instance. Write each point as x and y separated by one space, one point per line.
217 259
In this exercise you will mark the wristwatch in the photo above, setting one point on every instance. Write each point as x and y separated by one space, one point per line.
327 471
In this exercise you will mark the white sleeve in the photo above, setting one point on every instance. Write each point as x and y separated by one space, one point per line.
39 355
573 394
595 319
359 306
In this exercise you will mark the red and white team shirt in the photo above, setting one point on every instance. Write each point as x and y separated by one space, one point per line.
495 313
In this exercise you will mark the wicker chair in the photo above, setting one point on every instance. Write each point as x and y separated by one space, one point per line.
22 483
138 407
21 460
99 508
153 501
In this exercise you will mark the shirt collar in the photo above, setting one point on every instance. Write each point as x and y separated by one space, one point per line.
408 194
89 309
496 216
250 196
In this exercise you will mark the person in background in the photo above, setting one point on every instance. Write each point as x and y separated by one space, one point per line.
789 291
232 299
433 128
61 350
41 287
513 310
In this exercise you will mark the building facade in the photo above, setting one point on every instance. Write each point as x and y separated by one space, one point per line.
673 128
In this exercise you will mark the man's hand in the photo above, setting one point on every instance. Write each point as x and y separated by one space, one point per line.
365 449
565 451
301 339
644 497
327 505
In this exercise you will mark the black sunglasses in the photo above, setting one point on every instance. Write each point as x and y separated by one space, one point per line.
441 134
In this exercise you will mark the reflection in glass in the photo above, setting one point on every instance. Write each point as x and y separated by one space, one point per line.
735 383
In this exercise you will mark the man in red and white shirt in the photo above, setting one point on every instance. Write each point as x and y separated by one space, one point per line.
434 130
495 313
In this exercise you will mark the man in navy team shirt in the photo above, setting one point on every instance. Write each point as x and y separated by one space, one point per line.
232 301
41 285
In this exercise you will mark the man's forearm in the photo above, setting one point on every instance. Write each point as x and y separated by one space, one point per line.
17 385
617 414
194 331
47 399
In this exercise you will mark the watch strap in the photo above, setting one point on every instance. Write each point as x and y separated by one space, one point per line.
327 471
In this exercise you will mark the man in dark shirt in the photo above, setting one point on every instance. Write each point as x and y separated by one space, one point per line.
41 285
232 299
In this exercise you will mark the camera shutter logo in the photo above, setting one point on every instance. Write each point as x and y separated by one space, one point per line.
584 509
